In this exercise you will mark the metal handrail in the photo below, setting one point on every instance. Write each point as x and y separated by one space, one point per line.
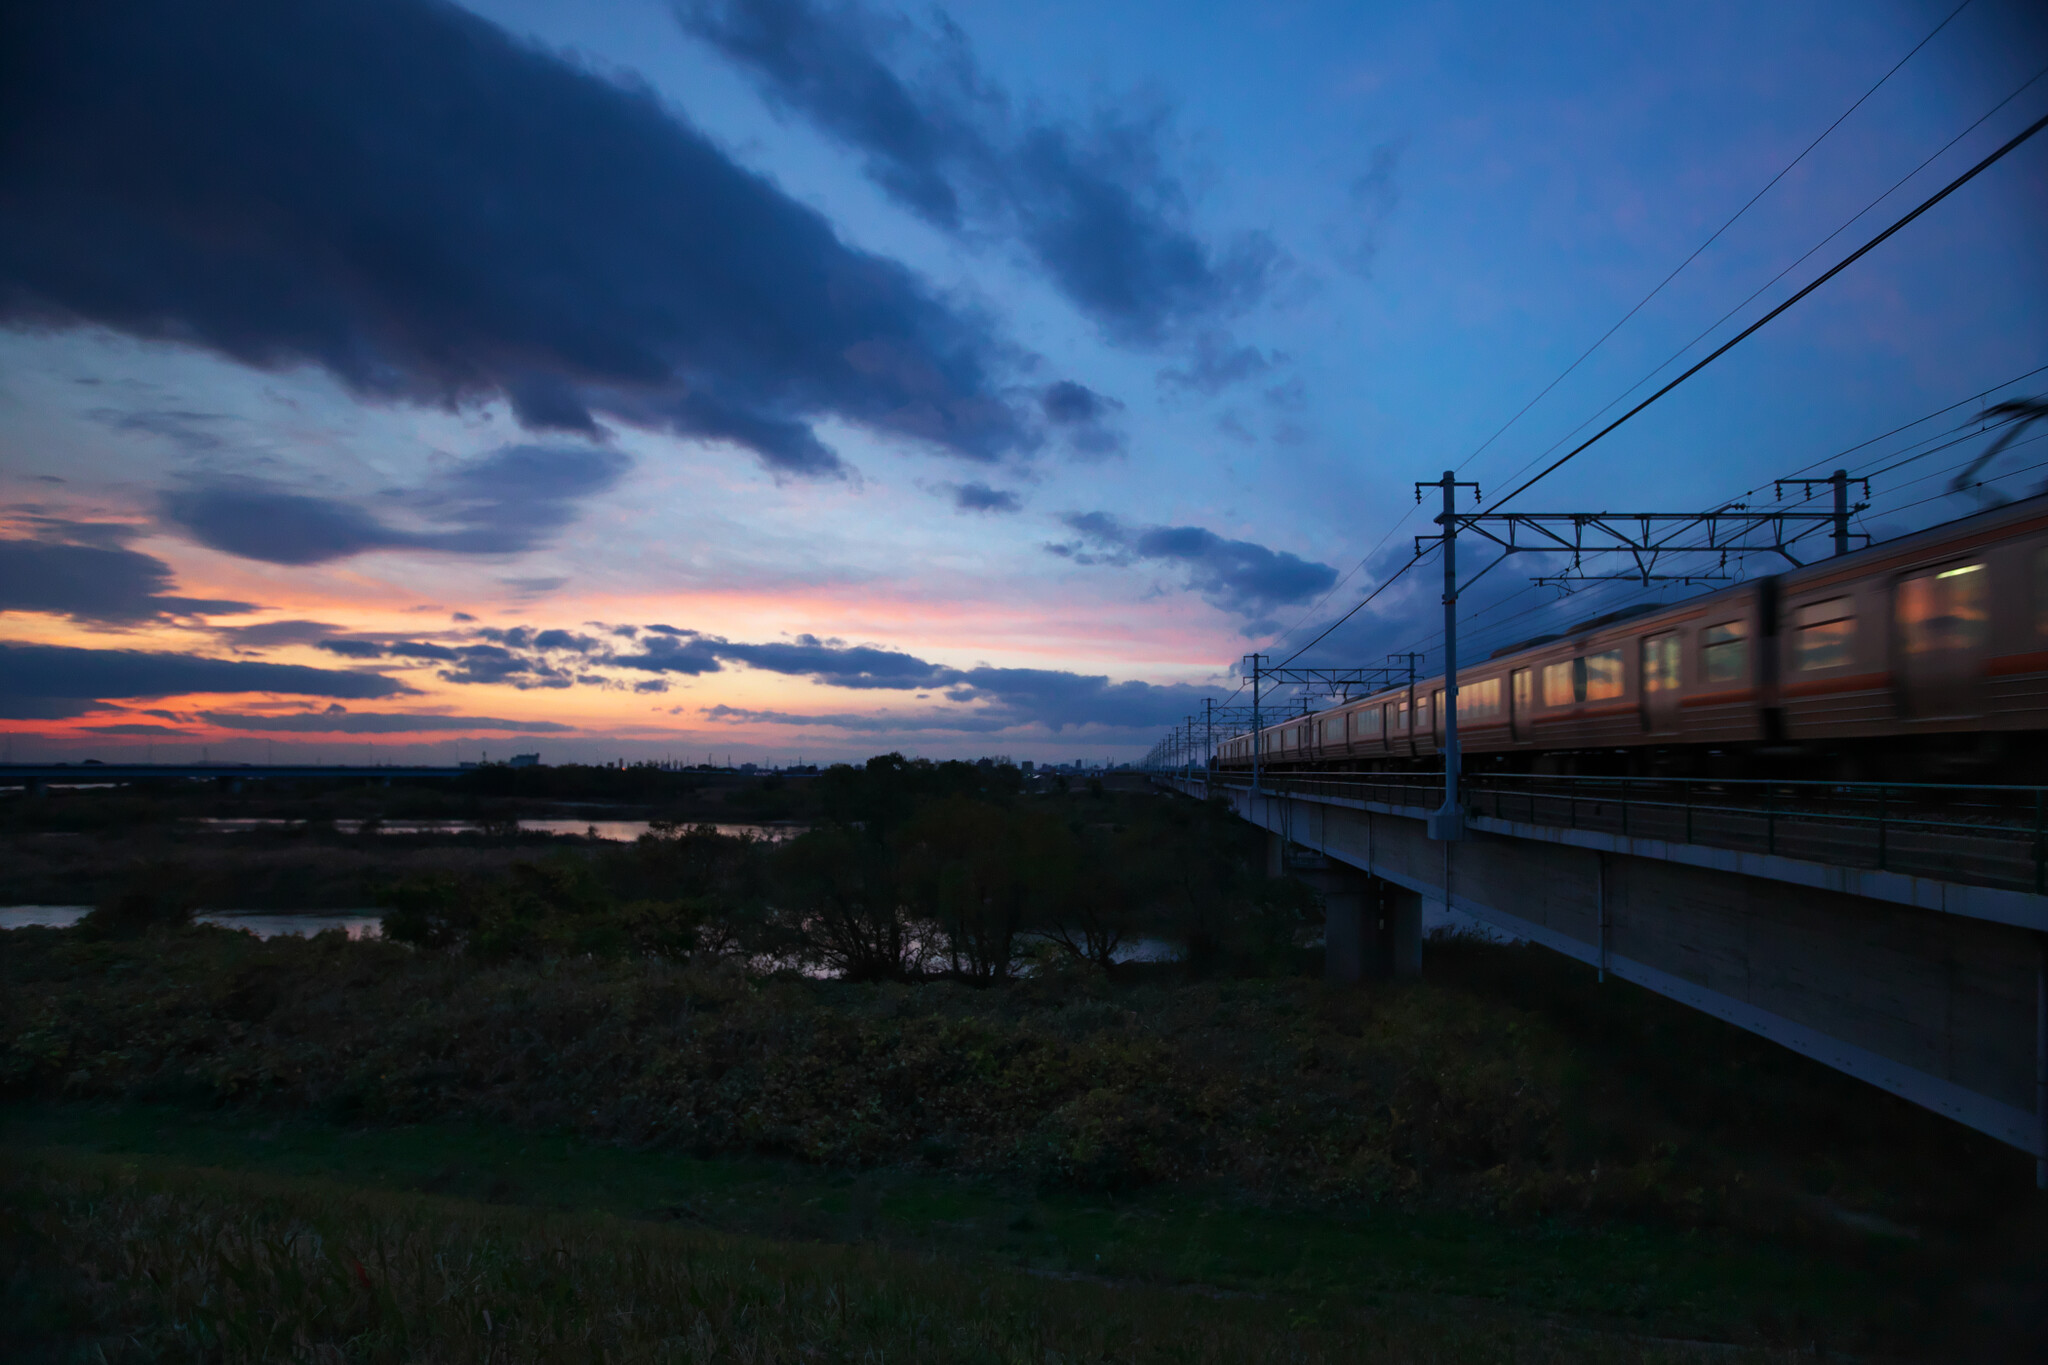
1872 823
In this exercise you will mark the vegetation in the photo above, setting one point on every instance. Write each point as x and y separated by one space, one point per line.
913 870
147 1263
927 997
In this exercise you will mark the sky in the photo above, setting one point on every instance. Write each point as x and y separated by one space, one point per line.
398 381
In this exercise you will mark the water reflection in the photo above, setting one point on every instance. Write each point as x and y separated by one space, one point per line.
621 831
262 923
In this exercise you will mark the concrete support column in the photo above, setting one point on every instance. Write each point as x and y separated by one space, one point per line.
1276 856
1351 936
1404 932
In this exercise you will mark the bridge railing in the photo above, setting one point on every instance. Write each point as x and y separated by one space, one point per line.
1976 834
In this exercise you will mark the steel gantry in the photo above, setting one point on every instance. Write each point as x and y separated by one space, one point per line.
1649 538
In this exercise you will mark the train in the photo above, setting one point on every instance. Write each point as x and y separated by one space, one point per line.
1923 658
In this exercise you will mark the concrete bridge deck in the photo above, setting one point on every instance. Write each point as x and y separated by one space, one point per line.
1932 987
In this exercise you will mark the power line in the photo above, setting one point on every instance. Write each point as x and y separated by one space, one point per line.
1644 301
1317 605
1858 254
1754 294
1391 580
1960 402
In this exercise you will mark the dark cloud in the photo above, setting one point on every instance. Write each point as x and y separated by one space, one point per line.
96 582
42 681
990 698
136 728
104 535
1370 198
1057 699
1291 396
334 721
979 497
920 722
506 502
1231 425
519 657
273 633
399 193
1236 576
43 708
359 648
1216 363
1092 204
835 665
495 664
1011 699
1083 416
192 433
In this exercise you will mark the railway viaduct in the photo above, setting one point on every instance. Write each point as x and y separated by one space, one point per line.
1905 946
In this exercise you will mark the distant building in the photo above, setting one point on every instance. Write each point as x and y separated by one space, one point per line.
523 761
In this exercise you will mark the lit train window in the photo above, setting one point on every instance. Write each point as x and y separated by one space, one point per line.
1660 664
1479 700
1557 684
1421 714
1401 716
2041 591
1525 691
1724 652
1603 675
1946 611
1827 632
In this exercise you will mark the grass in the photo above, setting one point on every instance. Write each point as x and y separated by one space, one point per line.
1665 1281
132 1260
1467 1167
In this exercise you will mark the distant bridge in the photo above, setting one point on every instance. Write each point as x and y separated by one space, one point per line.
1899 934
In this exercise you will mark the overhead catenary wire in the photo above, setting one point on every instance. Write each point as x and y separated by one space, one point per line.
1486 638
1725 316
1837 268
1803 257
1715 236
1982 165
1427 643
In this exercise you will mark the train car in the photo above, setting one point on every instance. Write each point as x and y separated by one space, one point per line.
1925 656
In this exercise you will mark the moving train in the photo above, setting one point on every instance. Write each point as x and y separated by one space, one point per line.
1923 658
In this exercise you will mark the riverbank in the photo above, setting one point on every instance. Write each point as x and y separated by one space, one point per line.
1503 1131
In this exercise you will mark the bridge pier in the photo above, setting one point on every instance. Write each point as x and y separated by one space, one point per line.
1372 928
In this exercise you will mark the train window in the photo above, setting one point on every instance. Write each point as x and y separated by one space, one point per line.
1479 700
1724 652
1366 723
1660 664
1945 612
1421 714
1827 632
1557 683
1525 691
1603 676
2041 591
1401 716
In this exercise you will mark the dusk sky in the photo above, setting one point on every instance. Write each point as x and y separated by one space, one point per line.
646 380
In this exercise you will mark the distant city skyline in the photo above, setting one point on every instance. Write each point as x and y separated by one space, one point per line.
794 380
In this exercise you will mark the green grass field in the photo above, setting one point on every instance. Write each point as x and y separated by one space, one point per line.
220 1149
145 1234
